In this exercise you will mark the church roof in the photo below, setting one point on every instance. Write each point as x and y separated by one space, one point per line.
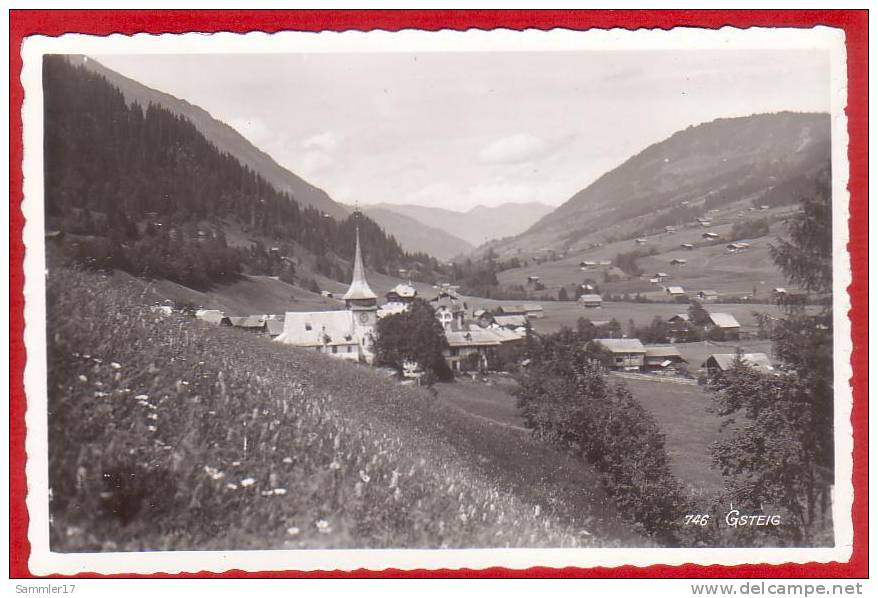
317 328
359 288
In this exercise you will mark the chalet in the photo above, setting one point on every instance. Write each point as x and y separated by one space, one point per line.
709 236
401 293
512 322
530 310
661 276
654 280
722 362
670 229
779 293
590 301
675 291
678 262
587 264
640 241
736 247
254 324
726 324
708 295
661 357
326 294
605 263
627 353
470 348
705 223
450 310
687 246
211 316
532 280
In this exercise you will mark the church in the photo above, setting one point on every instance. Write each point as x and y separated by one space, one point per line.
348 333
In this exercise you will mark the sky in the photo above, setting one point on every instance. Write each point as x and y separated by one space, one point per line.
457 130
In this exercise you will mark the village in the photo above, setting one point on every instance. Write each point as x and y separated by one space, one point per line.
488 338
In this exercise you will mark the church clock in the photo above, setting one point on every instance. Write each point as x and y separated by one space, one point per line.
364 317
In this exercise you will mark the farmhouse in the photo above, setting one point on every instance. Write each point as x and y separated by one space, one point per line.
670 229
470 349
708 295
586 264
661 357
688 246
513 322
532 280
640 241
627 353
590 300
679 323
254 324
347 333
530 310
675 291
736 247
661 276
727 324
709 236
678 262
211 316
722 362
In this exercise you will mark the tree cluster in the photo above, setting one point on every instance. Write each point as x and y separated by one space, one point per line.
414 336
117 170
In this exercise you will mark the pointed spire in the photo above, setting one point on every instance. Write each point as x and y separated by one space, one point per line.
359 289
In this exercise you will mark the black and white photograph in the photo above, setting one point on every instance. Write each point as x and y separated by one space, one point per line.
391 299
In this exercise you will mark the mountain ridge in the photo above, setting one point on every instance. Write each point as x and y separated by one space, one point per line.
222 135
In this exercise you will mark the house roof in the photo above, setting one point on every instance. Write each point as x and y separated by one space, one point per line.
472 338
676 290
317 328
758 360
214 316
479 313
590 298
504 335
724 320
404 290
708 292
515 320
248 321
621 345
665 351
683 317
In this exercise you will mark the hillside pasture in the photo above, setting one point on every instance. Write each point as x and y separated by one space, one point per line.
166 433
681 411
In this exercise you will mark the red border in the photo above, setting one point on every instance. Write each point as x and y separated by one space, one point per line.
853 22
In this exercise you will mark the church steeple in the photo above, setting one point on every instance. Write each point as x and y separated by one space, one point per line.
359 294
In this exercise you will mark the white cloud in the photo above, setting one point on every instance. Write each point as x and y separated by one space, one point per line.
314 162
512 149
326 141
252 128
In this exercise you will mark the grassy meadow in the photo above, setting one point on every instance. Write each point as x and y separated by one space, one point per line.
168 434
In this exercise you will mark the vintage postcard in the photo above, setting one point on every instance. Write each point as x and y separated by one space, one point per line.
436 300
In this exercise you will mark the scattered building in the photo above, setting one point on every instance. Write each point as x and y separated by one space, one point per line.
627 353
470 348
401 293
670 229
708 295
679 324
678 262
513 322
450 310
687 246
590 300
211 316
736 247
675 291
709 236
661 276
727 324
640 241
722 362
254 324
661 357
530 310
